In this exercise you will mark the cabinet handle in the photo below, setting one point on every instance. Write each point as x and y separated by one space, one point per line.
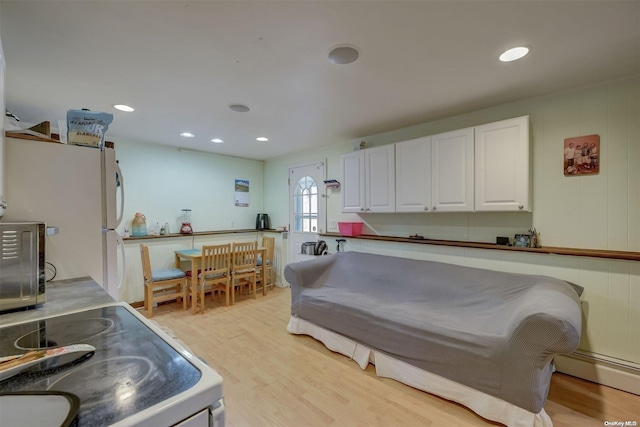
520 207
435 207
361 210
426 208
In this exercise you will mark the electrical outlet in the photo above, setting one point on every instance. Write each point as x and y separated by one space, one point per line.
333 225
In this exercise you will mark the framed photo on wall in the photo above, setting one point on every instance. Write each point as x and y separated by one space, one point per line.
582 155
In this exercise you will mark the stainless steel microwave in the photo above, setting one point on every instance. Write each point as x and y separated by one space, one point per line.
22 264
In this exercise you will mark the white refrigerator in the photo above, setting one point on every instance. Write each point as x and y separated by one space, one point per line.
79 190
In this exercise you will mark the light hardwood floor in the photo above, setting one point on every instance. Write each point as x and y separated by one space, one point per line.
273 378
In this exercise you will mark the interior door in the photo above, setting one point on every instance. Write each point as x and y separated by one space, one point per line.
307 215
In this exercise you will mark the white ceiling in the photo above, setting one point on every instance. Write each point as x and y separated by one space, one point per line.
180 64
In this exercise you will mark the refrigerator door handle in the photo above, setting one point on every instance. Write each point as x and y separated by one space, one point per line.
124 259
121 213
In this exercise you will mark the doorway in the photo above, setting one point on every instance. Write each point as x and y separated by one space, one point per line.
307 212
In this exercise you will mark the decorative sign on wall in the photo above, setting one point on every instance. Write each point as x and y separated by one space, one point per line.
582 155
242 193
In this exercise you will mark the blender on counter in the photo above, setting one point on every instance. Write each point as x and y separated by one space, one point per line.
185 218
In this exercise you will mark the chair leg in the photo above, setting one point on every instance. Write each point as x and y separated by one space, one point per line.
150 301
184 294
255 287
202 297
194 296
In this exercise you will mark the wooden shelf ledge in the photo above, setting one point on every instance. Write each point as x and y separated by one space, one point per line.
593 253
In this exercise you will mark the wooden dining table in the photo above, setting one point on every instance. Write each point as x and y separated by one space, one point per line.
194 256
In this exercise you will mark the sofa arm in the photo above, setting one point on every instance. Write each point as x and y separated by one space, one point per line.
545 323
307 274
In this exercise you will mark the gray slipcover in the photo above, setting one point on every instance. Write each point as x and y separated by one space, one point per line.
492 331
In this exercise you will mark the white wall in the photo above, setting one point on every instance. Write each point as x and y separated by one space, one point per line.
161 181
600 211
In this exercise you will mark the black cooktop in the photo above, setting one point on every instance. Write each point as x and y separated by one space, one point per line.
132 368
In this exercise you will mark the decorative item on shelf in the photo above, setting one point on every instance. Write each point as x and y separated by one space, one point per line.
185 219
416 237
534 238
332 184
502 241
139 225
521 240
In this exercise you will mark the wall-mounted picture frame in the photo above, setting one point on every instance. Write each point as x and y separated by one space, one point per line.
522 240
582 155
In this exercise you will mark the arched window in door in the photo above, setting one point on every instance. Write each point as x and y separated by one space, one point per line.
306 205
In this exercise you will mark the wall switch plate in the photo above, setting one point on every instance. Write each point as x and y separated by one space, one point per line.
333 225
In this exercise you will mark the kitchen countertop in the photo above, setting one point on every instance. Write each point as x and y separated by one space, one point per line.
63 296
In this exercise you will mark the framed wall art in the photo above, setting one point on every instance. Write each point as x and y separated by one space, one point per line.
582 155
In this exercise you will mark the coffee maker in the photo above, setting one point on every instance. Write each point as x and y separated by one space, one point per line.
262 222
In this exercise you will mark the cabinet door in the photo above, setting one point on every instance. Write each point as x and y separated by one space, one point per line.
353 197
452 171
380 185
413 175
502 174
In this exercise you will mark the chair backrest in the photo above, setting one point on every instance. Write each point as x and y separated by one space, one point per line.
146 264
244 256
216 259
269 244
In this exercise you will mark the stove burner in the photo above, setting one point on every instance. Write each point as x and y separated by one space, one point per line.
115 379
56 333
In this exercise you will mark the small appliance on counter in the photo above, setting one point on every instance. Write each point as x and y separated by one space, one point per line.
22 264
185 227
263 222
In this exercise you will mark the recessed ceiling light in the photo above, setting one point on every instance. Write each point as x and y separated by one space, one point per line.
123 107
262 139
343 55
187 134
217 140
514 54
239 108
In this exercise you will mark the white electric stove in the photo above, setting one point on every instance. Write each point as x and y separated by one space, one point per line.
138 374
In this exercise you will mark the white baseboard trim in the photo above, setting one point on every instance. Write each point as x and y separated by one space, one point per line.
621 376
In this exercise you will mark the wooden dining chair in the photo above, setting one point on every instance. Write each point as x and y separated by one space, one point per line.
243 267
161 285
214 275
266 264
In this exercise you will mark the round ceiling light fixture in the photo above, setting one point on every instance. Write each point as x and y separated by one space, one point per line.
239 108
262 139
123 107
342 55
217 140
514 54
187 134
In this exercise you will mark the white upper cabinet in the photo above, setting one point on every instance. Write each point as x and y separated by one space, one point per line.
369 180
353 182
502 169
413 175
452 171
380 184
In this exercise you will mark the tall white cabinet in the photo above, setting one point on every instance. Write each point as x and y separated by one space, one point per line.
369 180
413 175
452 168
502 166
